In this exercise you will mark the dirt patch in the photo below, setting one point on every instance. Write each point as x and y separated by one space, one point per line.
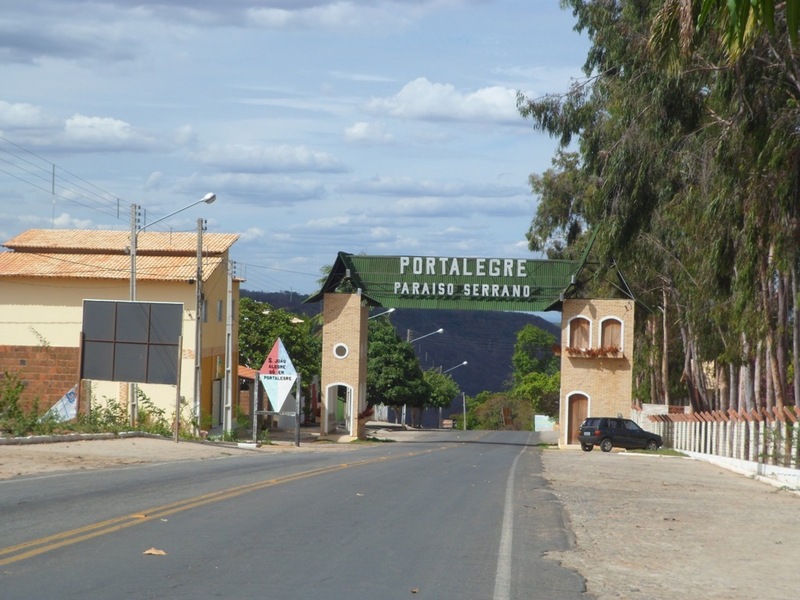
42 458
650 527
18 459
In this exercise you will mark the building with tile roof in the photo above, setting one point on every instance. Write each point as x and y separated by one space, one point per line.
46 274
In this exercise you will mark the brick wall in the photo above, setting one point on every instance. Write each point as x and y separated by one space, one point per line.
46 372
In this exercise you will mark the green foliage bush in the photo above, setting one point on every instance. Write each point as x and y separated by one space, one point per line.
108 416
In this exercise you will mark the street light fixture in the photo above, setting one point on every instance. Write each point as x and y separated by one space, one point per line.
440 330
451 368
386 312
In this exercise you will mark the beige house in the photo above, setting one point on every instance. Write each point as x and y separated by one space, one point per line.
596 362
48 273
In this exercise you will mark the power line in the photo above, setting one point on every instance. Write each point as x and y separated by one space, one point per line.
42 174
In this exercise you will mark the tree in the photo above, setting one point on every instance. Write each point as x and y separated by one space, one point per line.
536 378
533 352
687 169
740 22
443 389
394 377
260 326
485 411
542 391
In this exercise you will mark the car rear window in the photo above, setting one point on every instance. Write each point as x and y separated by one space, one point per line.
591 422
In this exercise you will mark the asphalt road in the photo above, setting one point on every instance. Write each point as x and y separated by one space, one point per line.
465 515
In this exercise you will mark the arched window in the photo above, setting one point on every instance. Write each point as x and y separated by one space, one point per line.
611 333
579 333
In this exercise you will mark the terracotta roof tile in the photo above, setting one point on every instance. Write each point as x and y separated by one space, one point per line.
83 241
103 266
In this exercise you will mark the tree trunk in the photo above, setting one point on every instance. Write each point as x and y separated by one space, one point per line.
758 398
665 348
692 373
723 388
770 316
795 338
769 392
733 387
747 378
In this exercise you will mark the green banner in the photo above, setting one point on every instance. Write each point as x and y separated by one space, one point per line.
513 284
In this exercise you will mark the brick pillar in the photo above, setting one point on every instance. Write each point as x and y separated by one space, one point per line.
344 356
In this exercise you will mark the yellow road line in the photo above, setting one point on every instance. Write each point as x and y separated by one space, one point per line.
18 552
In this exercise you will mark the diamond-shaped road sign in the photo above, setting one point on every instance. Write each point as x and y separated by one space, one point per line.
278 375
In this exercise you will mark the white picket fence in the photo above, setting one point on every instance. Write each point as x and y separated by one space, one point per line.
761 442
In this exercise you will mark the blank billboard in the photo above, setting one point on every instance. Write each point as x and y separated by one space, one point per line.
135 342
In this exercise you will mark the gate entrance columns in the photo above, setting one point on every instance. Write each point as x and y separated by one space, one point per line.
344 361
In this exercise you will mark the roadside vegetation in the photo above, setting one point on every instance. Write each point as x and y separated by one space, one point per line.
533 389
106 416
678 155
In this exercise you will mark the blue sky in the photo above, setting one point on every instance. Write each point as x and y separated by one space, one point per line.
364 126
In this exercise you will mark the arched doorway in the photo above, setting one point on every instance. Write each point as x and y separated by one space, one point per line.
339 404
578 407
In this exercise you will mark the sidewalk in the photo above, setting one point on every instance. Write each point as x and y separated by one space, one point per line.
652 527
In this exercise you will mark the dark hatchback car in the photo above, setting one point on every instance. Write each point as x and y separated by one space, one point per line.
613 432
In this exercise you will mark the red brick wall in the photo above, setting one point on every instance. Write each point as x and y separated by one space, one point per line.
47 373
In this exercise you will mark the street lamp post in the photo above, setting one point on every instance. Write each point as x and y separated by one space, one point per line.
386 312
411 341
461 364
135 231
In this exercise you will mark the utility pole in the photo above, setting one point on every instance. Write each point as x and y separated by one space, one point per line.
198 336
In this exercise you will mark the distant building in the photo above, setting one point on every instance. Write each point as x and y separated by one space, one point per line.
48 273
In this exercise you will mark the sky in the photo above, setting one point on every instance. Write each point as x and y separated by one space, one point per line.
362 126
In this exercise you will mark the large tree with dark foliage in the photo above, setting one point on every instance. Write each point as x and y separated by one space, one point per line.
680 149
394 377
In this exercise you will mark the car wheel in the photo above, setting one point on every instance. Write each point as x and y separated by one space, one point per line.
586 447
606 445
652 445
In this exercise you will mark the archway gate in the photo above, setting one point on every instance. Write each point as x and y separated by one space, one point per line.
357 282
510 284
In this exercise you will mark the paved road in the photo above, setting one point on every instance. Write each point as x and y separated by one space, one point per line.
454 515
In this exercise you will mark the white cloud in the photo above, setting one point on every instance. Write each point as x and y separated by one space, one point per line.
423 99
251 234
426 188
367 133
336 16
22 115
257 189
268 159
61 221
155 181
104 133
65 221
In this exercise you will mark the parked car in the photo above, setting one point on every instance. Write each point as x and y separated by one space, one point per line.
614 432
